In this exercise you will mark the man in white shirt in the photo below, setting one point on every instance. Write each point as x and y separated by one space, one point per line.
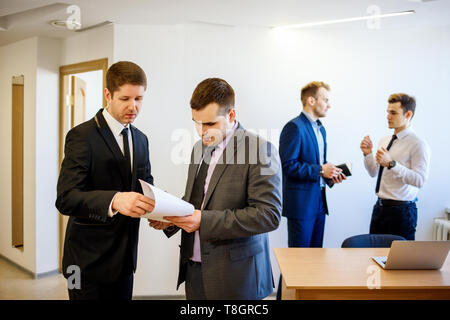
401 165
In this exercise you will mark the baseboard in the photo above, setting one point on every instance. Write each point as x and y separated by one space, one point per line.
46 274
32 274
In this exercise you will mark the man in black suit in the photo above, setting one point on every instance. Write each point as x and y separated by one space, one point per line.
98 188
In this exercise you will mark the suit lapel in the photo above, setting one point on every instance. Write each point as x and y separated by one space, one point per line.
192 171
111 142
312 135
324 135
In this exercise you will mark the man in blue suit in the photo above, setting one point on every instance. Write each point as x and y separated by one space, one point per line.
303 153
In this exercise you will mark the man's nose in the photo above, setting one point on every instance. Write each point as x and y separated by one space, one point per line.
132 105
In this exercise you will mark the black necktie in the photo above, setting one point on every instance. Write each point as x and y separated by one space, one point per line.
187 239
198 189
380 171
126 150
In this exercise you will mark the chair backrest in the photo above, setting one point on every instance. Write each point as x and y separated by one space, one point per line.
370 241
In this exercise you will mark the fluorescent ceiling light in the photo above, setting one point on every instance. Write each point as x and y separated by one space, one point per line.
320 23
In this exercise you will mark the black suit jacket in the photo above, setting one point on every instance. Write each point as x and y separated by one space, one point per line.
92 171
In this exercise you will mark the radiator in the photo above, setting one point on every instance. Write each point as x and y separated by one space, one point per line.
441 229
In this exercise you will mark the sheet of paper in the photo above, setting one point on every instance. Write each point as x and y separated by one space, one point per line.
165 203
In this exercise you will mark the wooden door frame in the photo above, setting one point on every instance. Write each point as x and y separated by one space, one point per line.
93 65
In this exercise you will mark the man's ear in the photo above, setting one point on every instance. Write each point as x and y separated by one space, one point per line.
409 114
232 114
311 100
108 96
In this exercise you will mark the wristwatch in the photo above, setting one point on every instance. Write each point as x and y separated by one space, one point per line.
392 164
321 172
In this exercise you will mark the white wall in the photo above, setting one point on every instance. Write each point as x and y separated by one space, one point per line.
16 59
47 147
267 70
88 45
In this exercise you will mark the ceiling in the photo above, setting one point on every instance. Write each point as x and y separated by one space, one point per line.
26 18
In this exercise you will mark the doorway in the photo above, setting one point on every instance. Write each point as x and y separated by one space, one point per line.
81 87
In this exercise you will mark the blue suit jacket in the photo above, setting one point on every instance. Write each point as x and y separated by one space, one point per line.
299 153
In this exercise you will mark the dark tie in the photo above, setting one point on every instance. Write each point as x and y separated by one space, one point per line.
126 150
380 171
198 189
187 239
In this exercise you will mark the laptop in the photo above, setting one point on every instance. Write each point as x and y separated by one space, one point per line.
415 255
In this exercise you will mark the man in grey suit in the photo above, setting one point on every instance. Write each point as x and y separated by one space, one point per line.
234 183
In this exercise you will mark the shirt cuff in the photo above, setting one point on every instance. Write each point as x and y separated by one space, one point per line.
397 169
112 213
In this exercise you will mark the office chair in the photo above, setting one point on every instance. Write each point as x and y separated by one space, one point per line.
370 241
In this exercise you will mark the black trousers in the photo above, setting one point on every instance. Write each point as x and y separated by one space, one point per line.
194 282
122 289
399 220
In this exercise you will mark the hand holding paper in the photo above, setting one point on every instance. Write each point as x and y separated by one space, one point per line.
165 204
189 223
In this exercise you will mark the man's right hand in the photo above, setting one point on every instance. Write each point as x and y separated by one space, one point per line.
330 171
159 225
132 204
366 146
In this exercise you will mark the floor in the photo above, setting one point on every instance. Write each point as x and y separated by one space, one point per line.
16 284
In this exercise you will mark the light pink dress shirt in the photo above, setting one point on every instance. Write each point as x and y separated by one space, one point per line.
196 255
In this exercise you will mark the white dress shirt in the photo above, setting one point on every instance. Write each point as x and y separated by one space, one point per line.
412 156
116 128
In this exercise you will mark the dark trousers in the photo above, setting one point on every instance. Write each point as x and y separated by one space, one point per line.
400 220
122 289
194 281
306 233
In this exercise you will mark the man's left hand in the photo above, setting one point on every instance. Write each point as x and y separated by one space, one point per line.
341 177
189 223
383 157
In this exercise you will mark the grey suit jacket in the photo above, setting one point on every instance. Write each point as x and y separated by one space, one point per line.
243 202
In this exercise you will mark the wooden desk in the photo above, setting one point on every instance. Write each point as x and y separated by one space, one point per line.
328 274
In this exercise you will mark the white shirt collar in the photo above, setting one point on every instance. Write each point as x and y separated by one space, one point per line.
309 117
115 126
405 132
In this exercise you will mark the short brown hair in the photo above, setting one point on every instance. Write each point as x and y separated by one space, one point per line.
213 90
408 103
311 90
124 72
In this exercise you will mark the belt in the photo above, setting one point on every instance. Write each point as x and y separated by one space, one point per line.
390 203
194 263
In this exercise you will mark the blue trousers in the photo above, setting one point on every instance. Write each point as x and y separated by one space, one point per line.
306 233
